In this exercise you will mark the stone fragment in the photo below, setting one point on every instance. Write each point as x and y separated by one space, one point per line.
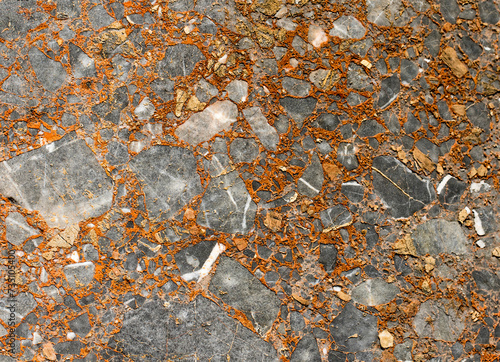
181 5
145 110
164 88
311 181
306 350
296 87
99 17
374 292
386 339
169 179
388 12
180 60
324 79
14 22
66 238
449 10
268 7
299 45
353 330
370 128
237 287
328 256
226 205
353 191
346 155
266 133
80 274
479 116
408 71
327 121
117 153
348 27
316 36
24 305
298 109
450 58
205 91
17 229
81 325
62 180
389 91
191 259
486 280
81 63
243 150
470 47
449 191
488 83
204 125
439 319
402 190
237 91
179 331
488 12
484 220
49 72
439 236
335 218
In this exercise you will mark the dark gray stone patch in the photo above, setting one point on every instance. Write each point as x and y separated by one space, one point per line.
408 71
298 108
450 190
117 153
180 60
402 190
80 274
439 236
99 17
25 303
49 72
353 191
488 12
479 116
13 23
81 325
306 350
192 258
81 63
164 88
370 128
328 257
433 42
237 287
449 10
486 280
439 319
266 133
227 206
243 150
470 47
62 180
311 181
350 322
374 292
327 121
296 87
335 217
389 91
169 178
199 330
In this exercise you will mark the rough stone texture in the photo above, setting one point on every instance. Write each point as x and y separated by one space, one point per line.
348 27
204 125
237 91
389 91
335 218
306 350
237 287
296 87
61 180
402 190
23 304
244 150
266 133
311 181
374 292
180 60
439 236
81 63
198 330
168 182
17 229
350 322
227 206
439 319
298 109
49 72
80 274
192 258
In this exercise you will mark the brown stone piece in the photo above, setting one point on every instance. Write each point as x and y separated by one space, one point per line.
450 58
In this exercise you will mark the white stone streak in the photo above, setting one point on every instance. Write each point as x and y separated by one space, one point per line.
443 183
309 185
478 225
207 266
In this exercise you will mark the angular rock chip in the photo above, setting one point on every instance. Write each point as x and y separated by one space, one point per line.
81 63
80 274
144 110
439 319
81 325
353 330
49 72
450 190
439 236
244 150
388 12
335 218
62 180
192 258
169 178
18 230
408 70
197 330
324 79
348 27
204 125
266 133
346 155
450 58
296 87
306 350
180 60
237 91
14 23
450 10
311 181
227 206
374 292
479 116
402 190
99 17
237 287
298 109
389 90
488 12
353 191
24 305
328 256
486 280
